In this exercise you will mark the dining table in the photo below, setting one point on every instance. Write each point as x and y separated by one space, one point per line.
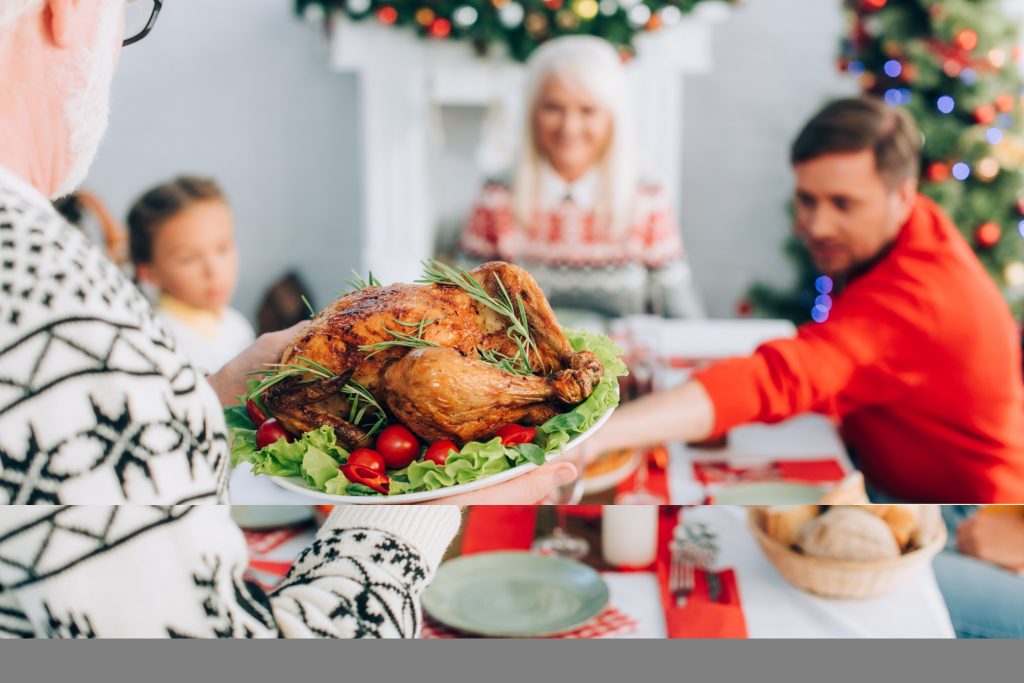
761 604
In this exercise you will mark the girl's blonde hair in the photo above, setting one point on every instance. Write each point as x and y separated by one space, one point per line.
593 65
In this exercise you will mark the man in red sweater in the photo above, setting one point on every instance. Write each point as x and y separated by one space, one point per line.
919 358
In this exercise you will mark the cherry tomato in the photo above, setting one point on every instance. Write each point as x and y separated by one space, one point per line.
439 451
398 445
368 458
270 432
514 434
367 477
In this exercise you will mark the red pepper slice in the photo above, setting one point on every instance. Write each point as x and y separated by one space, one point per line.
367 477
255 414
513 434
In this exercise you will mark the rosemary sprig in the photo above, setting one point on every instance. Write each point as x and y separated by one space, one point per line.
506 363
438 273
309 307
275 373
362 402
357 283
402 339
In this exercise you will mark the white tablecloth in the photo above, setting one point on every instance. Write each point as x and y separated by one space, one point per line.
775 609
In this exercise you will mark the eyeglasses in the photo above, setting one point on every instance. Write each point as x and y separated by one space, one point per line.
139 18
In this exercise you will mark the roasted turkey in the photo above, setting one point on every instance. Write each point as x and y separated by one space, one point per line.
445 390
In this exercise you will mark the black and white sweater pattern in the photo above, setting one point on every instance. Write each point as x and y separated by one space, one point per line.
177 571
96 404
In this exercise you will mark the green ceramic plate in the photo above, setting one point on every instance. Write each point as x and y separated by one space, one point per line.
515 595
769 493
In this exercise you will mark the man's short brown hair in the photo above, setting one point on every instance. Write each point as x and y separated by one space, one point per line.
861 123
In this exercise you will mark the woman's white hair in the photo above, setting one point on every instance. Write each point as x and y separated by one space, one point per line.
592 64
12 10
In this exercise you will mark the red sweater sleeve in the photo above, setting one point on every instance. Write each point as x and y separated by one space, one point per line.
864 354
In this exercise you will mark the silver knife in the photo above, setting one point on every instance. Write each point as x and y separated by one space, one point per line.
714 585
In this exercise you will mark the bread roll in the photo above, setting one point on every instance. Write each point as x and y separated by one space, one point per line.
848 533
902 520
783 522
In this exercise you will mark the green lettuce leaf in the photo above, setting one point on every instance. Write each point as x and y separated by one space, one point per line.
318 467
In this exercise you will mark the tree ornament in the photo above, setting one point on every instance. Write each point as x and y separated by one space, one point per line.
985 114
511 14
387 15
425 16
967 40
987 234
358 6
987 169
938 171
536 23
1014 274
567 20
585 9
1005 102
441 28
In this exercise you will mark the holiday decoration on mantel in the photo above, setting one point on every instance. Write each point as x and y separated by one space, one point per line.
954 64
517 25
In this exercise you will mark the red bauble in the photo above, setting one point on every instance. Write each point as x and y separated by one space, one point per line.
387 14
967 40
1004 102
987 234
873 4
938 171
986 113
441 28
1020 206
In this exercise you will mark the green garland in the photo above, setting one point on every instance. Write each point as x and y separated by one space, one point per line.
518 25
954 64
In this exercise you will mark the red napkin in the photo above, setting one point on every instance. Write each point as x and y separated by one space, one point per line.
812 471
499 527
699 618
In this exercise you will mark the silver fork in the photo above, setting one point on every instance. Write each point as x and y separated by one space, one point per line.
681 578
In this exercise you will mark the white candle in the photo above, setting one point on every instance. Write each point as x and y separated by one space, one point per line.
629 534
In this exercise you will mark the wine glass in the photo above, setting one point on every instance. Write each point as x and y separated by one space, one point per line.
646 367
560 542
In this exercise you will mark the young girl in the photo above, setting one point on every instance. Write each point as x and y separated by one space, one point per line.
182 242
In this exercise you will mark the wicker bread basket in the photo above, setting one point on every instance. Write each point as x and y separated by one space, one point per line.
842 578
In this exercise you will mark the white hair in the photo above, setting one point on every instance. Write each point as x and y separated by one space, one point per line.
12 10
592 64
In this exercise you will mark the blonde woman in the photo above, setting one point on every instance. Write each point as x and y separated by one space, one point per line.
577 214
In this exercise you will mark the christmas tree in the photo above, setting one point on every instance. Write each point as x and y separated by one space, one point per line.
954 65
517 25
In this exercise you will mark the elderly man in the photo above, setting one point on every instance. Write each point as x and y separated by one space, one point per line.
919 358
97 406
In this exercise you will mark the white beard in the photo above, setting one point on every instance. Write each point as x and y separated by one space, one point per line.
86 77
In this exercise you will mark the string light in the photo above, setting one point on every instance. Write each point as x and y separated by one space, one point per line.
855 68
819 314
893 68
994 136
824 284
945 104
961 171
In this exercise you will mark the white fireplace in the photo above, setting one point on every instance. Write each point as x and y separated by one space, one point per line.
406 86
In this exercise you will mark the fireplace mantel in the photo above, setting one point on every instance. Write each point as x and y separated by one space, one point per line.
404 80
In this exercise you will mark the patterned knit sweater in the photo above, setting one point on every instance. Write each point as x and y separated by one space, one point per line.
97 407
177 571
577 266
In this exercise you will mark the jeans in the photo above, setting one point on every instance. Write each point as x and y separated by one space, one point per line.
984 601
